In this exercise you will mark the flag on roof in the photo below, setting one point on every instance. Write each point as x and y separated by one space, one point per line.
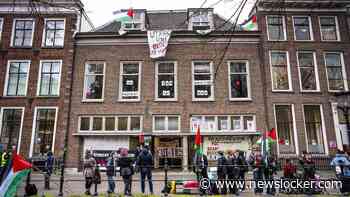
250 25
123 16
17 169
198 141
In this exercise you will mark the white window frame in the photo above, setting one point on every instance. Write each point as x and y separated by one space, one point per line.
337 29
91 117
21 127
133 21
324 133
345 78
85 85
34 128
249 97
43 42
8 75
295 133
288 70
208 12
39 78
310 29
338 131
121 71
283 24
166 123
156 82
315 68
1 27
13 32
212 97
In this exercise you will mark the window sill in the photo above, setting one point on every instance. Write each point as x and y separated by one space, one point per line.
330 41
282 91
304 40
92 101
129 100
337 91
277 40
310 92
241 99
203 100
165 100
58 47
48 97
23 47
13 97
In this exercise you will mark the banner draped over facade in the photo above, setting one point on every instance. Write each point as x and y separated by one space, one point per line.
158 42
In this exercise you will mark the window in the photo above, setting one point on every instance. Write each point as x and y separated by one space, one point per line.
166 123
280 71
49 78
130 81
202 79
54 33
166 81
239 80
44 130
135 23
1 27
329 28
23 32
285 129
314 129
94 81
276 28
224 123
110 123
336 71
308 74
17 78
11 127
302 28
200 20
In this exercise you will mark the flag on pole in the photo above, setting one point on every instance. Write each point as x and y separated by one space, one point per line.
141 138
250 25
18 169
124 16
198 142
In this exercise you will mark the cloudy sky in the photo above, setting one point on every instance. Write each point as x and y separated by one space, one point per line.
101 11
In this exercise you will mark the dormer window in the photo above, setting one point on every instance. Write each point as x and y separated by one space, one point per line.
200 20
135 24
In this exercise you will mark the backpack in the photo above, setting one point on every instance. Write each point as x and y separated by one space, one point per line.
31 190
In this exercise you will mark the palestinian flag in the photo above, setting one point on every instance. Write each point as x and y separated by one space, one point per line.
270 137
124 16
198 141
250 25
18 169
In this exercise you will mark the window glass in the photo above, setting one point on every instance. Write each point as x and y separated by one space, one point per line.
307 71
236 123
173 123
284 121
335 71
223 123
302 28
203 85
200 20
328 28
159 123
17 78
94 77
10 128
45 126
130 81
110 124
166 80
275 27
209 124
85 123
23 33
135 124
248 123
314 130
239 80
54 33
280 77
122 123
97 123
49 78
135 23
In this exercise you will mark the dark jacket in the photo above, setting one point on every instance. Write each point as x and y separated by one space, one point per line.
110 169
49 163
145 159
222 170
125 164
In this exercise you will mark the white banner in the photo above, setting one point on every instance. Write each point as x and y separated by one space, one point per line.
158 42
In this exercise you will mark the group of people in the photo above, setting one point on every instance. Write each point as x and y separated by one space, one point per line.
127 167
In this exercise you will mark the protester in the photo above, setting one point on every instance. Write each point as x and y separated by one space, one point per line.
256 161
222 170
289 170
97 178
243 167
89 172
269 172
308 166
126 170
200 168
49 163
111 173
145 163
232 170
342 167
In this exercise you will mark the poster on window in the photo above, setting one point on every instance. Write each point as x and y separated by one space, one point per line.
158 42
166 86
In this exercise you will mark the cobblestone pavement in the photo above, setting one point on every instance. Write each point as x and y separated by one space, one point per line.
74 183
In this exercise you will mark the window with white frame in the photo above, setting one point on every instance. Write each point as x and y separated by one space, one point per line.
11 126
110 123
166 81
202 81
285 129
23 32
337 80
54 33
166 123
135 23
276 28
308 74
280 71
17 78
302 28
329 28
44 130
223 123
1 27
130 81
49 78
239 80
314 128
200 20
94 81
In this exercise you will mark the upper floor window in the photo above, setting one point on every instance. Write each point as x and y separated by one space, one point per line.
308 74
166 81
337 80
200 20
23 32
314 129
280 71
130 81
302 28
17 78
1 27
94 81
202 81
276 28
166 123
49 78
110 123
11 119
135 23
329 28
239 80
54 33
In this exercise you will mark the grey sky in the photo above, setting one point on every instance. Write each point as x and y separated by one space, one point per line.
100 11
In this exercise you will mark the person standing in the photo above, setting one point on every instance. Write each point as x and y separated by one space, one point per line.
269 172
145 163
200 168
89 172
97 178
126 170
111 173
222 170
256 161
232 170
49 163
243 167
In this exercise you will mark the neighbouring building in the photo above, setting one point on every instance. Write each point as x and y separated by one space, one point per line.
36 57
211 75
